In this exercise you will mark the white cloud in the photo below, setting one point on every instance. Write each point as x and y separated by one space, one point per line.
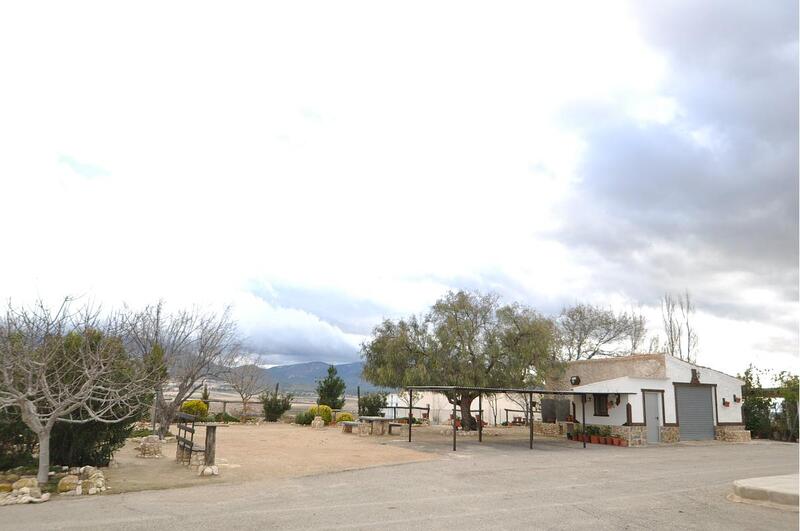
377 152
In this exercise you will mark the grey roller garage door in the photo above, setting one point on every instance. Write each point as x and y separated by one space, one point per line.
694 412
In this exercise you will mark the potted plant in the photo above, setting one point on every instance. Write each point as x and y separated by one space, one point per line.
594 438
623 442
576 433
605 435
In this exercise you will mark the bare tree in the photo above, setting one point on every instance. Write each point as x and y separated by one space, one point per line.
588 331
673 327
247 379
689 342
189 346
68 366
638 332
681 336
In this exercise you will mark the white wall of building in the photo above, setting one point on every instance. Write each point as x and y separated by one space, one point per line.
441 409
727 386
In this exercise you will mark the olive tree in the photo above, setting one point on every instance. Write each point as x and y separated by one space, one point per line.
466 339
70 366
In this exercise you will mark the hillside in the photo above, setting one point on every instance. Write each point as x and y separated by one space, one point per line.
304 376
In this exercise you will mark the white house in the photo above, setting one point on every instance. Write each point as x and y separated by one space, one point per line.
668 398
644 398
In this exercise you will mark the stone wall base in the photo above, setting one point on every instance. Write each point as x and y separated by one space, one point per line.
670 434
735 433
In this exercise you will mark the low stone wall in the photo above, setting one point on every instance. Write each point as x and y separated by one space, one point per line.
550 429
635 435
735 433
670 434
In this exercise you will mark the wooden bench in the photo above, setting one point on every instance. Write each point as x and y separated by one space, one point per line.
396 425
348 425
185 439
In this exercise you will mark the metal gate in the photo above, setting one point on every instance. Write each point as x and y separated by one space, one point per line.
695 413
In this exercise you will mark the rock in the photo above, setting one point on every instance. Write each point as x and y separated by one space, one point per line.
12 477
92 490
87 471
86 485
45 496
68 483
51 473
78 490
24 490
25 482
35 492
5 486
317 422
24 499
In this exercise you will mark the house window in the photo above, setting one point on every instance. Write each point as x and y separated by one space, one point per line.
600 405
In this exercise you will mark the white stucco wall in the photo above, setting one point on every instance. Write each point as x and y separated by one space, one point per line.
441 409
616 415
681 372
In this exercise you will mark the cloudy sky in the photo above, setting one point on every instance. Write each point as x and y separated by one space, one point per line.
321 166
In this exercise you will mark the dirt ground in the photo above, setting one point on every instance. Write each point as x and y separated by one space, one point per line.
262 452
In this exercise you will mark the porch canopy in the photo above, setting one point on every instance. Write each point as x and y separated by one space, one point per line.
528 391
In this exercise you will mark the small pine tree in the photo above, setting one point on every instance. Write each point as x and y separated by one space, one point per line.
331 390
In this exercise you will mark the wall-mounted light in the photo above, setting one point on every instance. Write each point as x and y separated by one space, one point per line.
737 399
575 380
725 403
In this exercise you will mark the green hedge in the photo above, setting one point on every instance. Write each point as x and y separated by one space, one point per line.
198 408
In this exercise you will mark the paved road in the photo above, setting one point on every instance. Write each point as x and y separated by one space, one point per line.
498 485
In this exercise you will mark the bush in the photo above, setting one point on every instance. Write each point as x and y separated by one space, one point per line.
371 404
224 417
16 441
324 412
275 404
198 408
344 417
93 443
304 419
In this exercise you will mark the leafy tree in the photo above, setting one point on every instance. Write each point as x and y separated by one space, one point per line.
786 419
372 404
755 407
466 339
331 390
275 404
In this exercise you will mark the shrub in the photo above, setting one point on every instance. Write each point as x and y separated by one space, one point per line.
16 441
344 417
224 417
275 404
324 412
93 443
304 419
198 408
371 404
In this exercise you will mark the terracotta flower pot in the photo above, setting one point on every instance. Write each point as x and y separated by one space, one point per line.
594 439
623 442
602 440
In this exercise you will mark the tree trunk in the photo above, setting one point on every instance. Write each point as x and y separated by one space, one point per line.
44 456
468 422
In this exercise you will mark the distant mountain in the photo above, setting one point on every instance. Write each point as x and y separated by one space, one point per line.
304 376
